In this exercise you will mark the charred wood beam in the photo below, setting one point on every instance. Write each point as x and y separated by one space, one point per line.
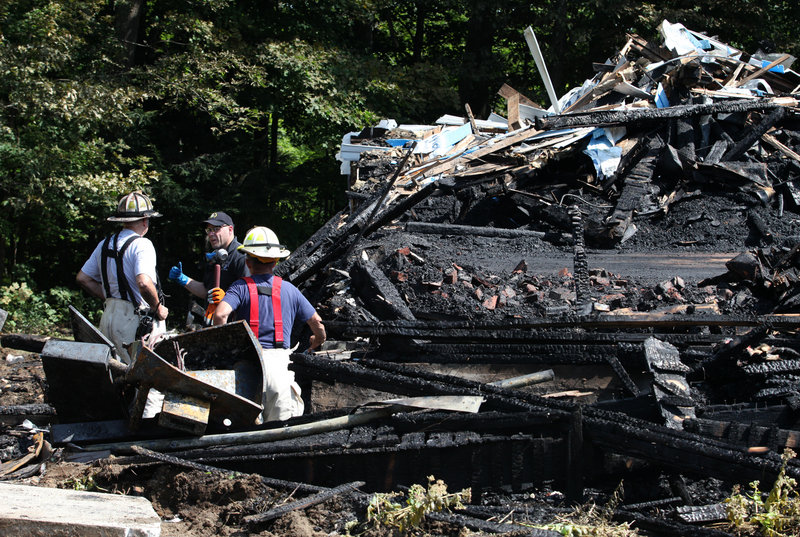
623 375
702 514
645 321
412 443
747 435
555 355
484 526
384 192
729 351
639 115
24 342
377 292
466 429
773 368
336 248
392 378
13 414
754 134
692 453
480 231
635 190
580 264
316 499
664 527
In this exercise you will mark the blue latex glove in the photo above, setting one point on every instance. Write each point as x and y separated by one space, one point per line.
176 274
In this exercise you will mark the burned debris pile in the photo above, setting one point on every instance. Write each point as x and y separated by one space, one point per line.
561 299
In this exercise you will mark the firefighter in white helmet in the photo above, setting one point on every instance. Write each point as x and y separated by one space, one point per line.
122 270
271 306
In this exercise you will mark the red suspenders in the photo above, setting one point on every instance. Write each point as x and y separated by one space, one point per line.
276 307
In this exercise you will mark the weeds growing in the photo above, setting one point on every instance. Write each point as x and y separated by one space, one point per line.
775 515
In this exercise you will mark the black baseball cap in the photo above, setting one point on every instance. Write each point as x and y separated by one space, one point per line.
219 219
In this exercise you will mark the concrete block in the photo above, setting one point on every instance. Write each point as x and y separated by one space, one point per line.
27 511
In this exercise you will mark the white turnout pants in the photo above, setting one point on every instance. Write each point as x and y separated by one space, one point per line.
281 394
119 323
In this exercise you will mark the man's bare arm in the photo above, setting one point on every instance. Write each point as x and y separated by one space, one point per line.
318 336
148 290
197 288
93 287
221 313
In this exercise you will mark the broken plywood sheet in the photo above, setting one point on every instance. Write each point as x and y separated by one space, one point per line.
27 511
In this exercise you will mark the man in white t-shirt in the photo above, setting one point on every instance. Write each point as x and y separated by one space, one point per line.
138 293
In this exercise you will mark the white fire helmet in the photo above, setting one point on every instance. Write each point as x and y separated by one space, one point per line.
262 242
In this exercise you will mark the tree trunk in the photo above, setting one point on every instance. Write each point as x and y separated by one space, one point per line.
475 79
128 15
419 32
273 142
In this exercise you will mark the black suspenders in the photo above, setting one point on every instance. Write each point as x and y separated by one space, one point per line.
122 281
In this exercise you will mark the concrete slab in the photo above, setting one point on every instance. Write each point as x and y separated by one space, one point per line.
27 511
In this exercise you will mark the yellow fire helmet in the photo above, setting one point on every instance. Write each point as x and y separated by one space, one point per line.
132 207
262 242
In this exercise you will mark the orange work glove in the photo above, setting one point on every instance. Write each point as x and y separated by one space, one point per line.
215 295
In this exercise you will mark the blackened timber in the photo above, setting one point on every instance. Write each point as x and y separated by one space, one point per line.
35 412
441 336
754 133
398 379
623 376
639 115
556 355
664 527
575 457
635 189
308 247
24 342
702 513
745 434
477 231
580 263
316 499
773 368
484 526
377 292
337 249
384 192
727 353
691 452
647 321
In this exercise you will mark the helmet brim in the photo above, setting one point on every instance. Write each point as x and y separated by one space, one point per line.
261 251
129 218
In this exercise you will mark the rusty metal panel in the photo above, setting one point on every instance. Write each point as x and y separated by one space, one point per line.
83 330
80 385
184 413
230 346
224 379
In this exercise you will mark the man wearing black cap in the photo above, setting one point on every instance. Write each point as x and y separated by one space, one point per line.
224 253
